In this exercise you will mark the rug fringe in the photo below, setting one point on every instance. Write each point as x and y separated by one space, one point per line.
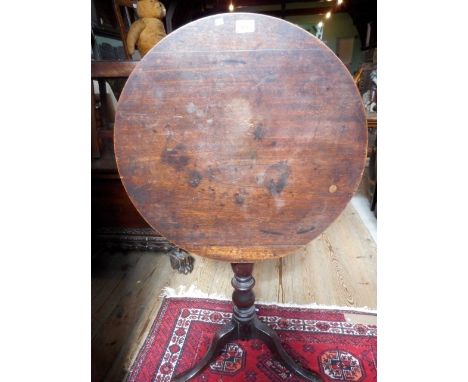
193 292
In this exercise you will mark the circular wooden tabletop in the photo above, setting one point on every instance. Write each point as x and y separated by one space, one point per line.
240 137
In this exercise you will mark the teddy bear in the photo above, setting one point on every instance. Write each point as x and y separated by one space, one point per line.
148 30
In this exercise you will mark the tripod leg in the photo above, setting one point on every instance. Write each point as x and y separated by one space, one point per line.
271 339
227 333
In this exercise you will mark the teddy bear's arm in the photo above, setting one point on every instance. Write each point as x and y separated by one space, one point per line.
134 34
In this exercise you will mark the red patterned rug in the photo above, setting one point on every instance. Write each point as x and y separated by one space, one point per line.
321 340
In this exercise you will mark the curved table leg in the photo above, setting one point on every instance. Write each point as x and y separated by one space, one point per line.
266 334
246 325
227 333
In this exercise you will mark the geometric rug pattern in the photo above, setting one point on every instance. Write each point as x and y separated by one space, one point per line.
318 339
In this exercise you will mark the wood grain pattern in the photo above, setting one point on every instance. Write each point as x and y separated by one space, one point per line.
137 284
240 137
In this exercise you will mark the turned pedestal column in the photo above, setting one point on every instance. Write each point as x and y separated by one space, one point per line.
245 325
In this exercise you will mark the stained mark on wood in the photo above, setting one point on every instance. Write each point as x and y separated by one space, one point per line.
175 157
259 132
195 178
276 177
232 61
239 199
305 230
240 196
270 232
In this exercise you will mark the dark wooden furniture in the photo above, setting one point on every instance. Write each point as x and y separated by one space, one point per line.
372 155
241 137
105 34
122 9
115 222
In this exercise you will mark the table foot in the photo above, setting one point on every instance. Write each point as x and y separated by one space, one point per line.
227 333
266 334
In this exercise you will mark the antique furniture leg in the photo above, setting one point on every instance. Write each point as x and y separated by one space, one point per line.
245 325
180 260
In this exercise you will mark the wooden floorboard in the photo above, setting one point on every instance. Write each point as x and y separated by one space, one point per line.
337 268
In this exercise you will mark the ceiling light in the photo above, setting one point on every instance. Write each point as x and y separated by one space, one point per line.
328 15
231 7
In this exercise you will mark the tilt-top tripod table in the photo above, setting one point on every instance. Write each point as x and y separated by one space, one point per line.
240 137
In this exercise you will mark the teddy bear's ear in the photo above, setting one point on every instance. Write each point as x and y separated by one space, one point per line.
163 10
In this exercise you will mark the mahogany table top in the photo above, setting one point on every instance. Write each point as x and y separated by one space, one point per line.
240 137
